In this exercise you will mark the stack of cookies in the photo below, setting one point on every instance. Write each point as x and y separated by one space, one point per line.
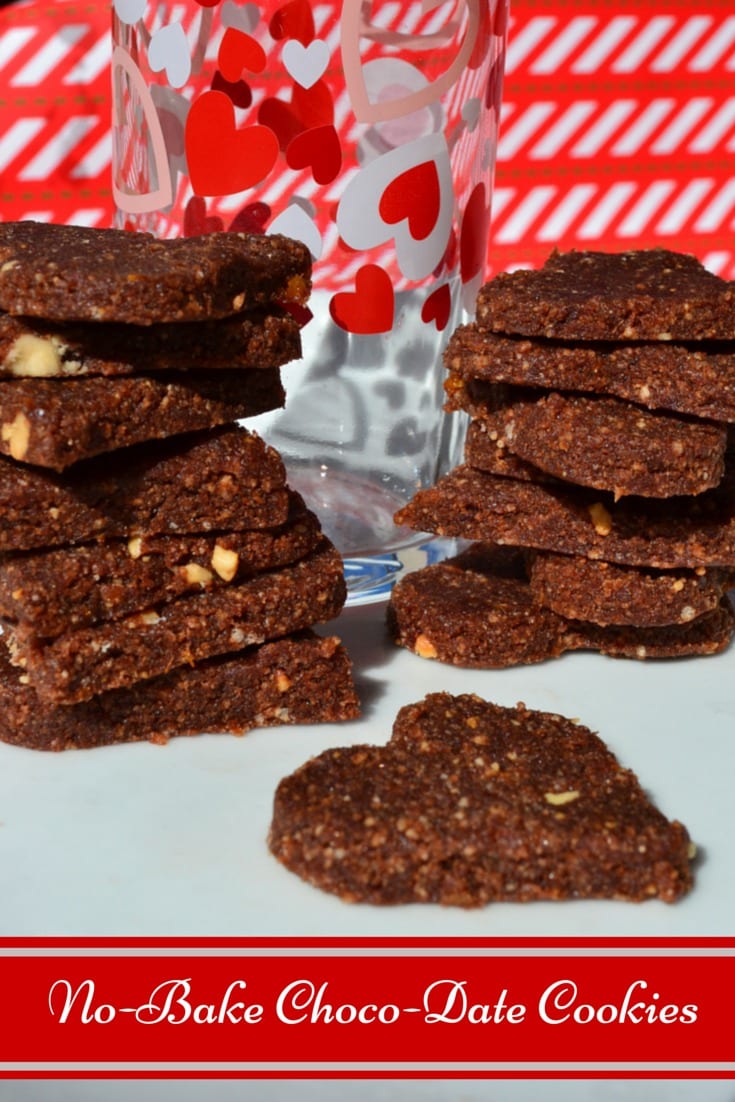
157 574
597 484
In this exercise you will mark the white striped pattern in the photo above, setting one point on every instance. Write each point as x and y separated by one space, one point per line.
662 127
52 54
627 43
625 209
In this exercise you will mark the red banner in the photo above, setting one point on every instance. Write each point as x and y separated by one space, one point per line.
367 1008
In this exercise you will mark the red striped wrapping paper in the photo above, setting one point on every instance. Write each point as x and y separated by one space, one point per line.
618 126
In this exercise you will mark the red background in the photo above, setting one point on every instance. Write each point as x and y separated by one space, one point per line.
618 125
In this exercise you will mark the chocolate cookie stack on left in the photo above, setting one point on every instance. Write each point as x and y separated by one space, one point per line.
157 575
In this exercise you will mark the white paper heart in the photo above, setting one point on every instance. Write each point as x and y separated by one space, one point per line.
242 17
295 222
361 226
306 64
169 50
129 11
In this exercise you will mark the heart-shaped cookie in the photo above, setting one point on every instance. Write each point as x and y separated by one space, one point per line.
471 803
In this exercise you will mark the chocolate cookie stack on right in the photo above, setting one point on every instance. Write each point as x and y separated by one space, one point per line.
157 574
600 389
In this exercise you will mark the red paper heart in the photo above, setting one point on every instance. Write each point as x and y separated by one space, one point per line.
197 221
318 149
238 91
239 51
293 20
473 237
279 117
251 219
415 197
223 160
437 307
369 308
315 105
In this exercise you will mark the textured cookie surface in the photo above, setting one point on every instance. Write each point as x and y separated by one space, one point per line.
54 423
698 378
81 663
466 612
605 593
72 273
470 803
474 610
475 505
61 589
298 679
649 294
613 445
34 348
222 479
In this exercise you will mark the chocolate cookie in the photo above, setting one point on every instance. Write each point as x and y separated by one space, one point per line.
72 273
465 613
222 479
707 634
54 423
34 348
486 449
648 294
613 445
698 379
476 609
600 442
471 803
58 590
298 679
604 593
80 664
679 532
